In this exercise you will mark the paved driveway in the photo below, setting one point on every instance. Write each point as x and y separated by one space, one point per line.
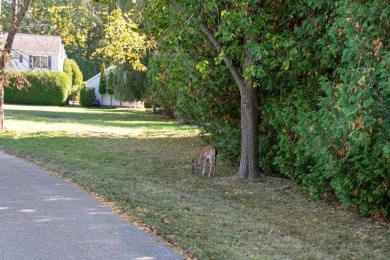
44 217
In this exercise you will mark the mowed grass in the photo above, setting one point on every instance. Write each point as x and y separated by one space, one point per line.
141 164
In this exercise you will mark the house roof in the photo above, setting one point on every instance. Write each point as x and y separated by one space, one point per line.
98 75
36 43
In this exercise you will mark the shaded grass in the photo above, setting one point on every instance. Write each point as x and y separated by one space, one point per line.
145 171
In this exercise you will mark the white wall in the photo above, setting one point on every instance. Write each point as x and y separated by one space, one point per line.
109 100
61 58
20 62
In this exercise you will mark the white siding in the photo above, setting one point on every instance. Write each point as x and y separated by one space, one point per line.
61 57
109 100
21 62
49 47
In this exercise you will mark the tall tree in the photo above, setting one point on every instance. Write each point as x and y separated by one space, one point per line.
78 22
235 48
126 46
123 41
16 20
249 158
129 84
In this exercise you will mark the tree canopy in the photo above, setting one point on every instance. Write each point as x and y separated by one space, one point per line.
123 42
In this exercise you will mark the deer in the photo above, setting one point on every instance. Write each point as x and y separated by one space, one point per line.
208 154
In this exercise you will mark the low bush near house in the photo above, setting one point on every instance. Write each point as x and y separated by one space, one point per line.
87 96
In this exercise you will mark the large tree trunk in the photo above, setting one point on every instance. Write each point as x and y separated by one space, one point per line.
249 160
16 21
1 107
2 81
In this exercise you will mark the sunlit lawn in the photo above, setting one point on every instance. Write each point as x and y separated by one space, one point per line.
81 120
141 163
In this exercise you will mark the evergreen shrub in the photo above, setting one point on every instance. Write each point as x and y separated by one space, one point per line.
87 96
103 80
110 83
72 69
329 112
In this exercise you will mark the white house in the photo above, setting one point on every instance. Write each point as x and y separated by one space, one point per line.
31 52
107 99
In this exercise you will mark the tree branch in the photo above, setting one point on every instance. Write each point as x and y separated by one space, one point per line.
233 70
15 25
376 92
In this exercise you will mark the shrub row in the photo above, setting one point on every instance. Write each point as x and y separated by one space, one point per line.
46 88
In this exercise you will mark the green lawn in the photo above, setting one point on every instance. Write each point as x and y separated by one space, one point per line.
141 164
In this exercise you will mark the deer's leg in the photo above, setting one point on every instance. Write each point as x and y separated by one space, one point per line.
204 166
211 168
215 168
213 164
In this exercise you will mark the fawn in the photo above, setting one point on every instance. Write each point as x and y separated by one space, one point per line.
208 154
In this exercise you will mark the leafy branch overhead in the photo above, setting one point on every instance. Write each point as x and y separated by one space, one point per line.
123 41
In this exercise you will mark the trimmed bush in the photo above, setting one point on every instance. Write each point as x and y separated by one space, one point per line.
47 88
87 96
72 69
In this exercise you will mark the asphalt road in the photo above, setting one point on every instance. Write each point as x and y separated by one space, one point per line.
44 217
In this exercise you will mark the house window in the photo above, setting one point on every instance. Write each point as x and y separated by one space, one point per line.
40 62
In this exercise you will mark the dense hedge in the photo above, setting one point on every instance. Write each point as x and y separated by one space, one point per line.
324 88
330 118
47 88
